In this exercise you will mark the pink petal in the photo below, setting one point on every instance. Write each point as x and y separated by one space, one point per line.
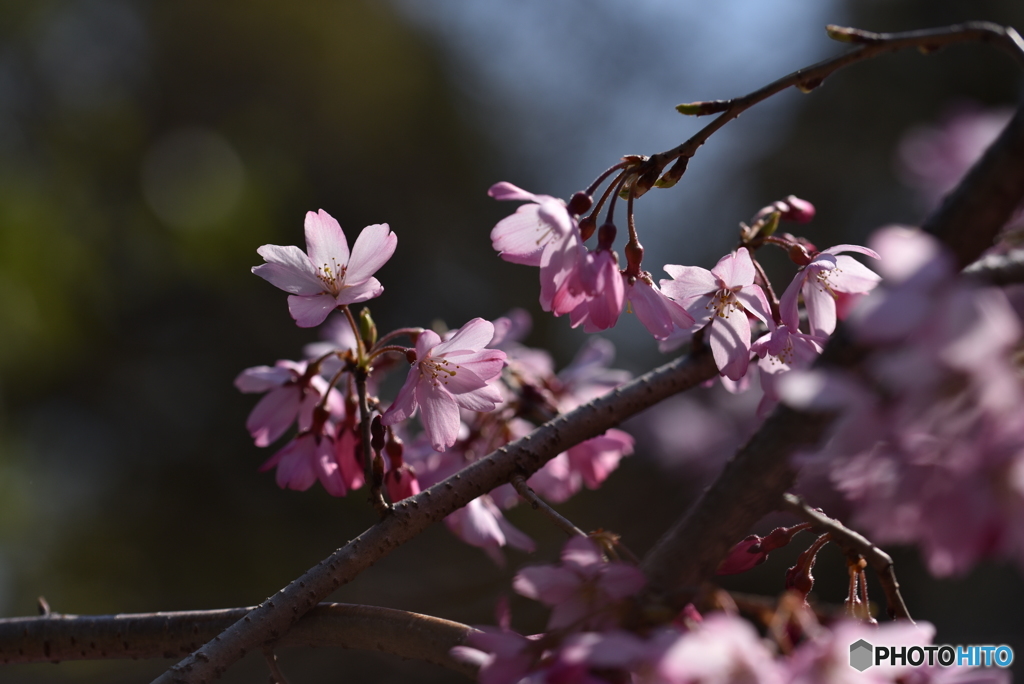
274 414
836 249
325 242
263 378
788 310
368 289
372 249
548 584
483 400
754 301
473 336
404 405
327 469
439 414
730 343
521 237
736 269
852 276
309 312
688 283
289 269
294 465
821 308
506 191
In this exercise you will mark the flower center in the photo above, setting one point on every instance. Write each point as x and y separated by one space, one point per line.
823 284
723 303
332 276
437 371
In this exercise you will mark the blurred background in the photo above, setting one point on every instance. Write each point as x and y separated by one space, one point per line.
148 148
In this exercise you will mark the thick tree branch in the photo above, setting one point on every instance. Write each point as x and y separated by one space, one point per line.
997 269
272 619
755 479
55 637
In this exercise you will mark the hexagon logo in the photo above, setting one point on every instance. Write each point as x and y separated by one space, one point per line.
860 655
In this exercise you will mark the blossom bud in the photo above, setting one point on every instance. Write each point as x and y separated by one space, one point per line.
798 210
367 328
377 431
378 471
606 235
580 203
634 258
588 224
394 448
798 255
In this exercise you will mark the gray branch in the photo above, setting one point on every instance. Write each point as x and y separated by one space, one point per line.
55 637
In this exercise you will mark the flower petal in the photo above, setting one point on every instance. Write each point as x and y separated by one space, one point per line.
473 336
439 415
310 312
325 242
362 292
688 283
288 268
730 342
372 249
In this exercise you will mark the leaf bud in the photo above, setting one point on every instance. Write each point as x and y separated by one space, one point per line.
580 203
672 176
367 328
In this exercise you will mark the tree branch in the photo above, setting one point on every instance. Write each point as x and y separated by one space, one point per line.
870 45
56 637
272 619
997 269
849 540
755 479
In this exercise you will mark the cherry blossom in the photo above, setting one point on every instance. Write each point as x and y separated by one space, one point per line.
327 275
449 375
582 589
659 314
829 275
291 394
721 298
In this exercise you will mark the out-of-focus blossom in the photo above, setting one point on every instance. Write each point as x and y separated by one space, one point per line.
581 589
724 648
327 276
721 298
446 376
480 523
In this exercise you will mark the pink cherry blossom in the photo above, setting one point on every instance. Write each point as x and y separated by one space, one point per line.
659 314
721 297
604 293
822 281
480 523
581 589
327 276
290 394
449 375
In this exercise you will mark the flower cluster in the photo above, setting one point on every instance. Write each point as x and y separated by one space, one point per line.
930 446
473 390
722 305
587 641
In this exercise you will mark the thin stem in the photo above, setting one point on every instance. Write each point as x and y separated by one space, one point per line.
607 172
773 301
377 351
519 482
411 332
360 347
276 676
851 541
617 182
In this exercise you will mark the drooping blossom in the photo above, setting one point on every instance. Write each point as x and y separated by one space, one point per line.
721 298
828 277
601 292
291 394
446 376
309 457
659 314
327 275
583 589
780 350
480 523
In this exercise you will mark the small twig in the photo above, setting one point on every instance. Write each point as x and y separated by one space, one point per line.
851 541
871 45
276 676
519 482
